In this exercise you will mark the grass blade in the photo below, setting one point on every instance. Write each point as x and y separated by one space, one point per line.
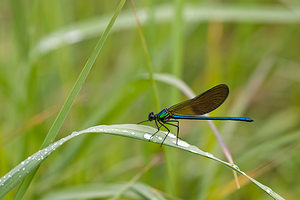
96 191
164 14
140 132
71 98
147 57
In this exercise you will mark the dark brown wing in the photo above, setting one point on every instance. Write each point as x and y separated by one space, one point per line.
203 103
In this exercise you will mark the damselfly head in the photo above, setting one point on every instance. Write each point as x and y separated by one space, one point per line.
151 116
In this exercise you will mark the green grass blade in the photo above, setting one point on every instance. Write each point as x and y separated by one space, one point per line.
82 77
176 69
71 98
164 14
147 57
93 191
177 43
140 132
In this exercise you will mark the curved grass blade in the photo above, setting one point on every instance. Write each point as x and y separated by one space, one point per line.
141 132
147 56
90 28
103 190
72 96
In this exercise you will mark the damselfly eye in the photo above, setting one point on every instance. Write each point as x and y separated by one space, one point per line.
151 116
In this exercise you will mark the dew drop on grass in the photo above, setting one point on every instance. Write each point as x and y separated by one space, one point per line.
92 129
182 143
124 131
243 173
74 133
209 155
147 136
268 190
194 151
171 135
235 167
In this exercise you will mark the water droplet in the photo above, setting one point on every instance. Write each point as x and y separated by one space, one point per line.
235 166
183 143
268 190
147 136
171 135
194 151
209 155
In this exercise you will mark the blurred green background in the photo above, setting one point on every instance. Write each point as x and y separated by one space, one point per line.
252 46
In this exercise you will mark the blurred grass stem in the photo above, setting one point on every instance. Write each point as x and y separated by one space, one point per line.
147 57
71 98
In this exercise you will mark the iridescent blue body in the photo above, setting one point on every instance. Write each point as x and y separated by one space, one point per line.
201 104
165 115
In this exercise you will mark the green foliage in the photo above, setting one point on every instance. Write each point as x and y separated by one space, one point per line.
250 46
128 130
